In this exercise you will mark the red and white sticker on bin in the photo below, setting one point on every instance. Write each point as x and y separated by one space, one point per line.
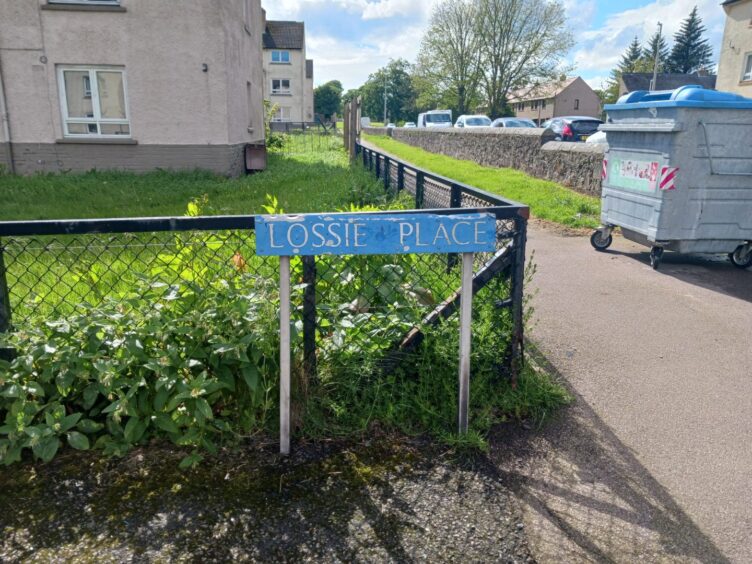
668 177
639 175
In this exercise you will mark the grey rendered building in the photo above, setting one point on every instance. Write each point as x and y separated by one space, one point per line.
129 84
288 74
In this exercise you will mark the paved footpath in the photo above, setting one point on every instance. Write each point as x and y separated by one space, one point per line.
662 360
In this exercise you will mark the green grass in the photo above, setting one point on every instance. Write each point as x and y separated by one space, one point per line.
547 200
302 180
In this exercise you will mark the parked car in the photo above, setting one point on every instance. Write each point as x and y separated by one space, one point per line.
390 126
598 138
435 118
513 122
571 128
473 121
545 124
410 125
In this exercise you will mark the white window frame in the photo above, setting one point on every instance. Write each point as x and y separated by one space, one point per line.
747 62
98 120
279 117
281 52
281 91
87 2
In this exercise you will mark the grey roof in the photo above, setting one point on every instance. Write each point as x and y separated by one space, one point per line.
309 68
641 81
284 35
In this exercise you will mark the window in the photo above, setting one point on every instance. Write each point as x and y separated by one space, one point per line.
576 103
282 114
281 57
544 103
280 86
93 102
747 75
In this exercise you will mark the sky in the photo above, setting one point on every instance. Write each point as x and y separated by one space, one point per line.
349 39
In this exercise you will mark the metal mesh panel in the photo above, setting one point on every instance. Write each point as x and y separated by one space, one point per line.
436 195
53 276
345 303
409 182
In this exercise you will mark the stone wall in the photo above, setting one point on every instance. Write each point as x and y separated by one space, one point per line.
375 130
575 165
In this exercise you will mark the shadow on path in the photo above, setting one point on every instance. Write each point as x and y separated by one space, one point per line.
713 272
587 498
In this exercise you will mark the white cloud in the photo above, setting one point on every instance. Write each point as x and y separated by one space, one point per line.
394 31
601 49
597 82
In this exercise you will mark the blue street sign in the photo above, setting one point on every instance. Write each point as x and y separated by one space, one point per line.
374 234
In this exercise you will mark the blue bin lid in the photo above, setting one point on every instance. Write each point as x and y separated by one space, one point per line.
690 96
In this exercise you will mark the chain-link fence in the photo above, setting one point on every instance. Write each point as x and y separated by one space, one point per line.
293 138
362 311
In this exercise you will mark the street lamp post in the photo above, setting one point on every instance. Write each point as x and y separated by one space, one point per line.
654 83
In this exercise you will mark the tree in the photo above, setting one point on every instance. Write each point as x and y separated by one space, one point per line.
350 95
396 79
448 69
656 46
633 60
691 52
327 98
631 57
521 42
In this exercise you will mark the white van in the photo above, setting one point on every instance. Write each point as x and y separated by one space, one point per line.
435 118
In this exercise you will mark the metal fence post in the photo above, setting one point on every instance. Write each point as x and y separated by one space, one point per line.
518 295
400 177
309 318
378 165
4 295
455 201
5 311
420 185
387 173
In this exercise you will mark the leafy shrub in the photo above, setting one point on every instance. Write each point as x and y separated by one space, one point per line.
194 365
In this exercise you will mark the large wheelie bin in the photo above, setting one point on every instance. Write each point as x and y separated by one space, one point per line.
678 173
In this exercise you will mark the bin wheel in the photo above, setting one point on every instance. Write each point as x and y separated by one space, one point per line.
742 256
656 255
599 242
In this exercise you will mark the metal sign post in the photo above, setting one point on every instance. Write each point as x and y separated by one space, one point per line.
466 318
284 355
374 234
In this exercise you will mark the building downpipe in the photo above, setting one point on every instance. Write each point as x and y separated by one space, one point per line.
5 119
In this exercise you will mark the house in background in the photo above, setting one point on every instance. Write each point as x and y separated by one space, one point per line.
130 84
735 66
569 97
632 81
288 75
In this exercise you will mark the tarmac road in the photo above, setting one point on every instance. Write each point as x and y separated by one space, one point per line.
664 360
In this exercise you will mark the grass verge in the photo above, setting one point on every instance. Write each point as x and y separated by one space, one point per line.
547 200
301 179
